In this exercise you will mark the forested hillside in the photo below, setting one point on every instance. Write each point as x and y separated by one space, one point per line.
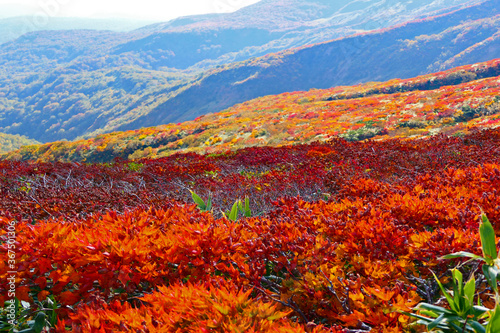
453 102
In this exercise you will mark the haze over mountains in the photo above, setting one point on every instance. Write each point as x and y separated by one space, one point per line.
14 27
69 84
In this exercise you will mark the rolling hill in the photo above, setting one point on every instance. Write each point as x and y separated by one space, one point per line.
454 102
77 84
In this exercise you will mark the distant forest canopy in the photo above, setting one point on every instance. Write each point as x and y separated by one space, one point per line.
78 84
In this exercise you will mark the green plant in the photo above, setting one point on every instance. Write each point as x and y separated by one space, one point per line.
212 174
245 210
463 315
363 133
238 206
233 214
135 167
26 188
204 207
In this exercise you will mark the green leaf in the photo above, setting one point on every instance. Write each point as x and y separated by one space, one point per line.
436 321
494 322
450 300
430 314
488 242
479 310
426 321
478 327
39 322
462 254
458 328
233 215
469 291
458 296
199 201
414 315
245 209
490 273
248 212
209 203
434 308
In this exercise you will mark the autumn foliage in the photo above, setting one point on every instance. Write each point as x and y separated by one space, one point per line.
343 234
451 102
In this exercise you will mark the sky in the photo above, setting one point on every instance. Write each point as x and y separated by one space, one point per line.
158 10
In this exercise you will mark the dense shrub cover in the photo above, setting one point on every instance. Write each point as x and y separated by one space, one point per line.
343 235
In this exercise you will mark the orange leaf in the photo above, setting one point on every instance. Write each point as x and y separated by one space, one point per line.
384 295
353 319
69 298
42 295
41 281
22 293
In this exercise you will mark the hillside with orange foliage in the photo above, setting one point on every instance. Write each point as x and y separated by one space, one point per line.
339 236
451 102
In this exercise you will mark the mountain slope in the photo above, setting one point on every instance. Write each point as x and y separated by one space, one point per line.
271 26
209 40
405 51
10 142
451 102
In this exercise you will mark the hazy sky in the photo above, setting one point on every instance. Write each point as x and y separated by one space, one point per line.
139 9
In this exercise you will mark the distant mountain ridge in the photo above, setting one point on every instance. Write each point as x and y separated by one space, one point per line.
275 25
14 27
206 41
